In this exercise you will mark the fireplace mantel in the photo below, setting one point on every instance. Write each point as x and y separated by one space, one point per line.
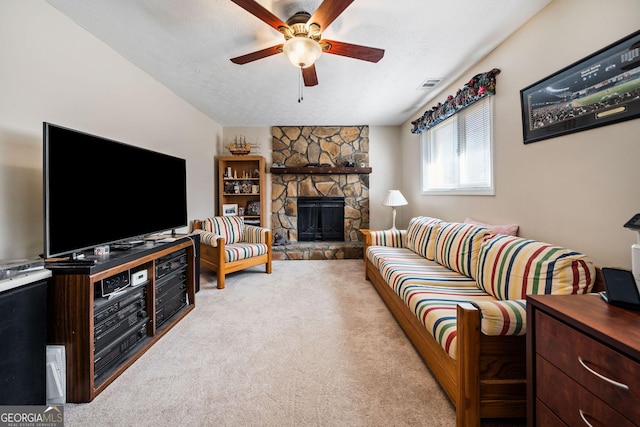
319 170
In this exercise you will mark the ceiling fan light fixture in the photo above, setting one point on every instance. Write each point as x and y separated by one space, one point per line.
302 51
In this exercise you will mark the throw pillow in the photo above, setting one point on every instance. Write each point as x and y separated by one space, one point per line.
421 235
508 229
511 267
457 246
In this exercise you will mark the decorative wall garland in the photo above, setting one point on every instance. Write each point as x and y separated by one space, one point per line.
478 87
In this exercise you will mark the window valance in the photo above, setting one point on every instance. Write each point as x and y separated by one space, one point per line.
478 87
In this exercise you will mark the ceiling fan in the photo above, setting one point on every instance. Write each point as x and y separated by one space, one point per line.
303 38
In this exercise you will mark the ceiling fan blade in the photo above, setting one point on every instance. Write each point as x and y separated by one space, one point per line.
328 11
259 54
371 54
309 75
257 10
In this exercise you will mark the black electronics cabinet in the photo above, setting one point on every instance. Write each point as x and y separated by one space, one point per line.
23 334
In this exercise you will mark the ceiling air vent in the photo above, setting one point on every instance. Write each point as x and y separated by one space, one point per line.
429 84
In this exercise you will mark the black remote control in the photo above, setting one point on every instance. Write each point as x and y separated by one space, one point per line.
72 263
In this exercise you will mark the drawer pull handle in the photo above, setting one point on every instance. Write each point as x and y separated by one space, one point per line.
602 377
584 418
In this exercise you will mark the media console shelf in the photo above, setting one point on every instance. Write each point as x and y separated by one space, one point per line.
103 336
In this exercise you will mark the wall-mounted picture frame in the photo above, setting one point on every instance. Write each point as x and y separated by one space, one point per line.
601 89
253 208
229 209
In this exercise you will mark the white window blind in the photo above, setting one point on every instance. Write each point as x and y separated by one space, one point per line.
457 153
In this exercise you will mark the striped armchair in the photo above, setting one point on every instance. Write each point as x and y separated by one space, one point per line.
227 245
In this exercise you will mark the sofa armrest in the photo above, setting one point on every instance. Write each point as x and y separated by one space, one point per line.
208 238
255 234
389 238
505 317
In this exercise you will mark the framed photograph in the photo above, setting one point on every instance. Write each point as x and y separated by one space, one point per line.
253 208
601 89
230 209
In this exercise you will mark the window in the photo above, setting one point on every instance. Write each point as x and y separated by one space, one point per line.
456 154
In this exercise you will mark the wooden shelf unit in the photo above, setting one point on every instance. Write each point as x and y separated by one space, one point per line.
72 300
243 178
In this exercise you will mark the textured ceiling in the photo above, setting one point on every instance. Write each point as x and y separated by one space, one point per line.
186 45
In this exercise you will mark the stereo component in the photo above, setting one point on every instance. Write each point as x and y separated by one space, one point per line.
138 277
104 308
171 281
114 318
113 354
108 334
171 307
114 283
171 287
170 263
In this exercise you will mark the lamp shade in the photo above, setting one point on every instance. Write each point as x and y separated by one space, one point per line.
302 51
395 198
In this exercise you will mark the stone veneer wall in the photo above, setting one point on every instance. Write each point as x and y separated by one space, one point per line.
297 146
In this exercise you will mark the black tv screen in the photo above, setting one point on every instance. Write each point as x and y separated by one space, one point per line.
99 191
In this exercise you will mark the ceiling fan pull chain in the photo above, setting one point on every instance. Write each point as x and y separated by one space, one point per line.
300 87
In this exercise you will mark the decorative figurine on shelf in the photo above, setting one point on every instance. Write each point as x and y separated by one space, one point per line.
239 146
253 208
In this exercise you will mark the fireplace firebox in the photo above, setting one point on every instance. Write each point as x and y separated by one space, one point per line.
320 218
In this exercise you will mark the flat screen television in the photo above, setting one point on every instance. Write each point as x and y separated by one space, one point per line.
98 191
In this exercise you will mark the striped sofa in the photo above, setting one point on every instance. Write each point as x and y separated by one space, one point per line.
458 290
227 244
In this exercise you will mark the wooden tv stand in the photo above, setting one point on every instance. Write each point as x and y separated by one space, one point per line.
103 339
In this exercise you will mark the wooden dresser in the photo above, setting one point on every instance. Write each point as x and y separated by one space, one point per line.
583 362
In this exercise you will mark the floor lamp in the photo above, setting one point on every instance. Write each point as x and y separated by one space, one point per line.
394 198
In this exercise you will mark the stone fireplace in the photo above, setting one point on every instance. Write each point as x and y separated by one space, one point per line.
324 163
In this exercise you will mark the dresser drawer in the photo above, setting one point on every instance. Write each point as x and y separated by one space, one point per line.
546 418
571 402
587 361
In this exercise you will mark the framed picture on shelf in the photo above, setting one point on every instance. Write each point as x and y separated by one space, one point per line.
230 209
598 90
229 187
253 208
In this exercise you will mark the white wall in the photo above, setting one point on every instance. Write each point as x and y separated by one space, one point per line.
53 70
576 190
384 159
385 155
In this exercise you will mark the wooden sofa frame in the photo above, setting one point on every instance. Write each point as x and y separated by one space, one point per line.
488 378
212 258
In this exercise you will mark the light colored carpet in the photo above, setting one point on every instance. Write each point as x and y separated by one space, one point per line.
310 345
